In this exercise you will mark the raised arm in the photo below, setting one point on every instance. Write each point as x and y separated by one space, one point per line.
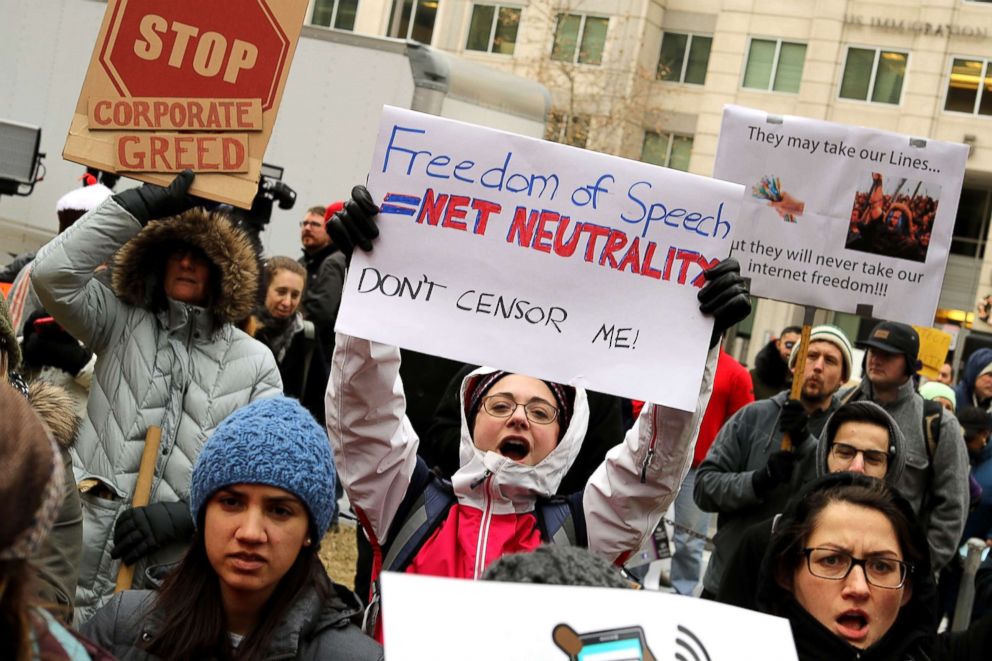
375 447
631 490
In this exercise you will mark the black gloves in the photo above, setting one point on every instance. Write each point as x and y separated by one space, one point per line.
48 344
793 421
149 202
355 224
726 296
777 471
140 531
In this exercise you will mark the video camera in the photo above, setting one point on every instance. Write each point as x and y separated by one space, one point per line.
271 190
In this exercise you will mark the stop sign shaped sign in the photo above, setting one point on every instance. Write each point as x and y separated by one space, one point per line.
195 49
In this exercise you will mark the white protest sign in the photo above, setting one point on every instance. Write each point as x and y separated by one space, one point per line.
539 258
838 216
428 618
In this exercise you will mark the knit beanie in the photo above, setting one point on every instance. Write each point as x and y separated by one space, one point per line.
74 204
8 338
553 564
836 337
564 396
932 389
24 451
332 209
272 441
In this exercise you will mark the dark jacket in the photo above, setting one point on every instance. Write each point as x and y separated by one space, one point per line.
302 363
725 479
770 374
322 294
312 628
965 390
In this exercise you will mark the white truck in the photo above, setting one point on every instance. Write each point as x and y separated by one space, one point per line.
324 134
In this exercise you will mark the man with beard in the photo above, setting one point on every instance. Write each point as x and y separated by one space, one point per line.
746 476
771 374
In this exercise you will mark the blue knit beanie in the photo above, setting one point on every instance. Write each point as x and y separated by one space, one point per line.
273 441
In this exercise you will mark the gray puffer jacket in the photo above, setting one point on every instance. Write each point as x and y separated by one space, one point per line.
313 628
161 362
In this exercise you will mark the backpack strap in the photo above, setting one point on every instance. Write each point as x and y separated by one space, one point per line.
932 418
428 512
561 521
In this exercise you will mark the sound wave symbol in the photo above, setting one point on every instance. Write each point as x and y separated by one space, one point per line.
691 645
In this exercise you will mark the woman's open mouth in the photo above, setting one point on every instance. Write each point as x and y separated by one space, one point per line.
853 625
514 448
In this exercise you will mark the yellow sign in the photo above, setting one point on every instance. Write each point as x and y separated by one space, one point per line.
933 350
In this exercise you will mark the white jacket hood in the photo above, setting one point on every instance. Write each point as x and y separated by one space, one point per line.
515 486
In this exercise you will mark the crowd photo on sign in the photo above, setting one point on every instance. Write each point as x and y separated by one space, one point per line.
534 369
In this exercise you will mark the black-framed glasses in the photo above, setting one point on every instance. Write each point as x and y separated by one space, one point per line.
503 406
789 344
835 565
872 458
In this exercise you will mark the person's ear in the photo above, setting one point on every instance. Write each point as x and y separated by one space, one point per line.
907 594
784 579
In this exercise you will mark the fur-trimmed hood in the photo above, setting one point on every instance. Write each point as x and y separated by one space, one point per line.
139 264
56 409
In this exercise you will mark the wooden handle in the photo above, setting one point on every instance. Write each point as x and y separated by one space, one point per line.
142 492
797 377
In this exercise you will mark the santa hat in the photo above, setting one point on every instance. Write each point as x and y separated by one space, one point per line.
77 202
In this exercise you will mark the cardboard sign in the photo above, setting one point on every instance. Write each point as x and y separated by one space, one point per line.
426 618
839 216
186 84
934 345
539 258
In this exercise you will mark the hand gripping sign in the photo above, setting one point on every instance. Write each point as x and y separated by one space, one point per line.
539 258
186 84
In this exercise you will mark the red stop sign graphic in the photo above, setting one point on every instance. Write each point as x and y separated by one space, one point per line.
232 49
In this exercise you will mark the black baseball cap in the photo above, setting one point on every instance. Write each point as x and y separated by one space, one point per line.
894 337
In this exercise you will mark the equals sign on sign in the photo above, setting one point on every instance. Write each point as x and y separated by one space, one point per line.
403 205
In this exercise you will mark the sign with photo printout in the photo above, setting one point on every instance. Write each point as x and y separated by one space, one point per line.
539 258
838 216
425 617
186 84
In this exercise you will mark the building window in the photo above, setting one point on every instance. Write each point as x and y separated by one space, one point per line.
580 39
667 149
567 129
970 87
413 19
873 74
684 58
493 29
339 14
972 223
774 65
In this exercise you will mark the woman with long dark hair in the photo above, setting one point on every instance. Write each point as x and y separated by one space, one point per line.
251 585
849 567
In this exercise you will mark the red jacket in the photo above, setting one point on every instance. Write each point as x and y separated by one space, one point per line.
732 390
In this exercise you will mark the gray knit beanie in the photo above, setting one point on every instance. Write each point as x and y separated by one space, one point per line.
273 441
836 337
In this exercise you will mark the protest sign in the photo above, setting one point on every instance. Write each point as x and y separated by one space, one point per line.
186 84
840 216
934 345
426 618
539 258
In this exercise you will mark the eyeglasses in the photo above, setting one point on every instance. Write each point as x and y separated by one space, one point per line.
537 411
311 223
789 344
847 453
835 565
